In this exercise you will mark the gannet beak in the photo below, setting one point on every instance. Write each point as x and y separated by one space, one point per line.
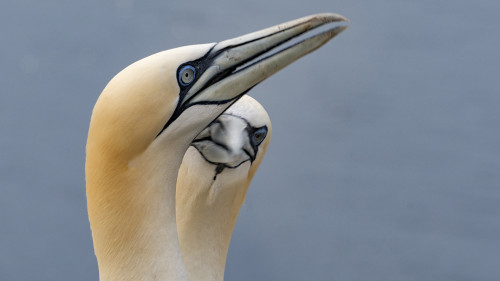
232 67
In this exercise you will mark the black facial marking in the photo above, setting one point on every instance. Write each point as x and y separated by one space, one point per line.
200 65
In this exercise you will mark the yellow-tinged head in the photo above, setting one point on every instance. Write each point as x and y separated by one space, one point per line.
148 97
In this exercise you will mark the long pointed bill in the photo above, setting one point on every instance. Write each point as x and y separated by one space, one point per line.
239 64
232 67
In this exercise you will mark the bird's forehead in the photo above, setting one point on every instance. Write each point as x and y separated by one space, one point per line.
251 111
154 74
177 56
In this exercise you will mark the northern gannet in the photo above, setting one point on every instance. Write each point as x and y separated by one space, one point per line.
212 184
144 121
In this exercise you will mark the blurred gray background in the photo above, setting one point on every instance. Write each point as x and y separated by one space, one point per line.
384 163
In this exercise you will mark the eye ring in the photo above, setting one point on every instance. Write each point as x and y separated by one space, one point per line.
187 74
259 135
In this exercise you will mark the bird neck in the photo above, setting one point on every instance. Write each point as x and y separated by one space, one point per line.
131 205
207 210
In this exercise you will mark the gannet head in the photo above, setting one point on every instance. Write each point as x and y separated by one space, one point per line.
240 136
172 95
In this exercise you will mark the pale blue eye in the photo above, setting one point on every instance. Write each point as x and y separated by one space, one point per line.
259 135
187 75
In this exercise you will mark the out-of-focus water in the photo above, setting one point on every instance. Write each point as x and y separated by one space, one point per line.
384 163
